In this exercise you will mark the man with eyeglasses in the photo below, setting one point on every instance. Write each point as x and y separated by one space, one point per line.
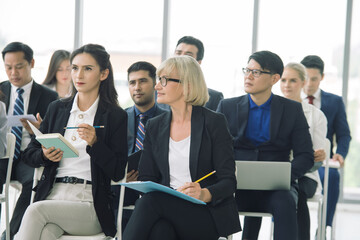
193 47
141 82
267 127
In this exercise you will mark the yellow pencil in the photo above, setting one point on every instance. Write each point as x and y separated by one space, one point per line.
206 176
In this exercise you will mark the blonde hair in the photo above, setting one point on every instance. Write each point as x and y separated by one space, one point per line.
299 68
191 76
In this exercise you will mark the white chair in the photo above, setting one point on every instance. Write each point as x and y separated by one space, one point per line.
4 198
100 236
321 198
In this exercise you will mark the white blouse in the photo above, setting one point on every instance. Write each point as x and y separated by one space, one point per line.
77 167
179 162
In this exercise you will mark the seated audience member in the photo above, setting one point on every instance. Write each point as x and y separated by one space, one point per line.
180 147
22 96
267 127
3 127
338 128
193 47
141 81
58 77
83 208
291 84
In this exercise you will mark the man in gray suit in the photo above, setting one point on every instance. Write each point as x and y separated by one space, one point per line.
193 47
141 81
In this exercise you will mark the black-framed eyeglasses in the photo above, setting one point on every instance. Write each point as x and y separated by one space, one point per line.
255 72
164 80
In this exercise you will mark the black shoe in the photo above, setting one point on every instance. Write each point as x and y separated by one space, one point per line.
3 236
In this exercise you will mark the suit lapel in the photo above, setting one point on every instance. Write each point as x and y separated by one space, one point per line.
276 112
197 128
62 117
34 98
7 92
242 115
162 143
131 129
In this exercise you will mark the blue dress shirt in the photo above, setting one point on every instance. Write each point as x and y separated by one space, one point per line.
258 126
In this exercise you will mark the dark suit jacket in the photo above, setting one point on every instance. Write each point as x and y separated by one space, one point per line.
108 156
40 97
288 131
210 149
334 110
215 98
132 129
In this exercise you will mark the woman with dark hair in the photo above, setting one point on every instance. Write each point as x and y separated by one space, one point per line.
83 208
58 77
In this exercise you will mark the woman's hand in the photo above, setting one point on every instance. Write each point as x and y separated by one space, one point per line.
87 133
194 190
54 155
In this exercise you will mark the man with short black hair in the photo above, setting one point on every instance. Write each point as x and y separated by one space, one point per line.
141 81
22 96
267 127
193 47
334 110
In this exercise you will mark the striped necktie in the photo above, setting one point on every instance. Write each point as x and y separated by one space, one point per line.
140 135
17 131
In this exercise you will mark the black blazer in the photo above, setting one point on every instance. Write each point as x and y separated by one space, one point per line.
40 97
108 156
288 131
211 149
131 136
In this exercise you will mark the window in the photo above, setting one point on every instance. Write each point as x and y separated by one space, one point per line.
352 164
225 28
295 29
130 31
45 26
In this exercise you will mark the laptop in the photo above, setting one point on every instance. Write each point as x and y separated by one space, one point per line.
263 175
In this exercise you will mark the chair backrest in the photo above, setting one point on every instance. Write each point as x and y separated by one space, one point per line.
263 175
10 149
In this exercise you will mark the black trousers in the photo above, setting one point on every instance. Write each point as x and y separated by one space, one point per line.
24 174
307 189
161 216
281 204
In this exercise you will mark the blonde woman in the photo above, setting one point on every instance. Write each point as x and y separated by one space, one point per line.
180 147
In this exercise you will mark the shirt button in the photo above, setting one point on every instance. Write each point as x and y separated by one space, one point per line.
73 138
81 116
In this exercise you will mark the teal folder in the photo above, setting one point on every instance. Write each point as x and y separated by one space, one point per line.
149 186
58 141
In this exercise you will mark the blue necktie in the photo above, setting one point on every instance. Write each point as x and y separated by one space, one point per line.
140 135
17 131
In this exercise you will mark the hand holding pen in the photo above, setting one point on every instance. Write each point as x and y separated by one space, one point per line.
193 189
87 133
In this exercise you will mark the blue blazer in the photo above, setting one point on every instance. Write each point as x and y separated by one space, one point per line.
131 135
334 109
211 149
288 131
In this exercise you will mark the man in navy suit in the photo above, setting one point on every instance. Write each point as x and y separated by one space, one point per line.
267 127
141 81
18 60
193 47
334 110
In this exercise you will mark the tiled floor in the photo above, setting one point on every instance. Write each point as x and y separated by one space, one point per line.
347 222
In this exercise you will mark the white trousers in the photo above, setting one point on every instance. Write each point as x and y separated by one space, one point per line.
68 209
